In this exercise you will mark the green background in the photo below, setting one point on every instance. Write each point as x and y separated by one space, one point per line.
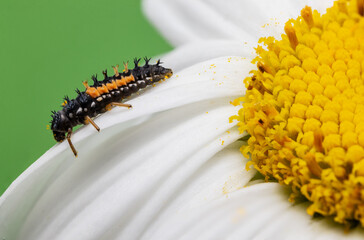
47 49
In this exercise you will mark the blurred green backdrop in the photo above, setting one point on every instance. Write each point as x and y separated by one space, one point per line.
47 49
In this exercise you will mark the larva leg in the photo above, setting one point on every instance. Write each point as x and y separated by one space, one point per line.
69 134
121 104
89 120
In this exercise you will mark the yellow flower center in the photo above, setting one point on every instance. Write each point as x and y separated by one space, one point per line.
304 110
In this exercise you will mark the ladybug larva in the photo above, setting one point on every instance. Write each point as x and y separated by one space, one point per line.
103 95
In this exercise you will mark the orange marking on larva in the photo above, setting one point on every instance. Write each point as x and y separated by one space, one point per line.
93 92
111 86
120 82
129 79
103 89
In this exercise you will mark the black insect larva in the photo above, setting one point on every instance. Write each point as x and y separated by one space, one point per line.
102 96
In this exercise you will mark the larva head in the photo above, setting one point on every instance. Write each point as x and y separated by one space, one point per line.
59 136
167 72
157 69
59 125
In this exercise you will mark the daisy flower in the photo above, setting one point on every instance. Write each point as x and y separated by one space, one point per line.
170 168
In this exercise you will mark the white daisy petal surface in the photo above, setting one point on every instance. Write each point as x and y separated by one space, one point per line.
255 212
199 51
143 157
183 21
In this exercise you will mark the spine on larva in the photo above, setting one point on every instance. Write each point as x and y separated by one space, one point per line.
101 96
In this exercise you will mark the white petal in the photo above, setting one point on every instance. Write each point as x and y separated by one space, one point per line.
263 17
261 211
194 52
170 134
182 21
105 191
179 191
320 6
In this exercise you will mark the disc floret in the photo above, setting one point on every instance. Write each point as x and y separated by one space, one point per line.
304 110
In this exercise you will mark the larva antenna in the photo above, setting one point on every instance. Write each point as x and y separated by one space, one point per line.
126 70
152 67
136 62
146 59
94 78
78 91
116 70
159 62
85 83
105 73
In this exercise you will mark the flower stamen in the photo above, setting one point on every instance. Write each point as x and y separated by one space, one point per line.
318 139
312 165
306 13
291 34
304 110
263 68
360 6
342 6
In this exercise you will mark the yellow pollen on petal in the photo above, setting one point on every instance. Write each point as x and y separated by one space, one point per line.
304 110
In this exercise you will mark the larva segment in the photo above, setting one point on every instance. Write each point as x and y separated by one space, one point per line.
120 82
112 85
91 91
103 89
